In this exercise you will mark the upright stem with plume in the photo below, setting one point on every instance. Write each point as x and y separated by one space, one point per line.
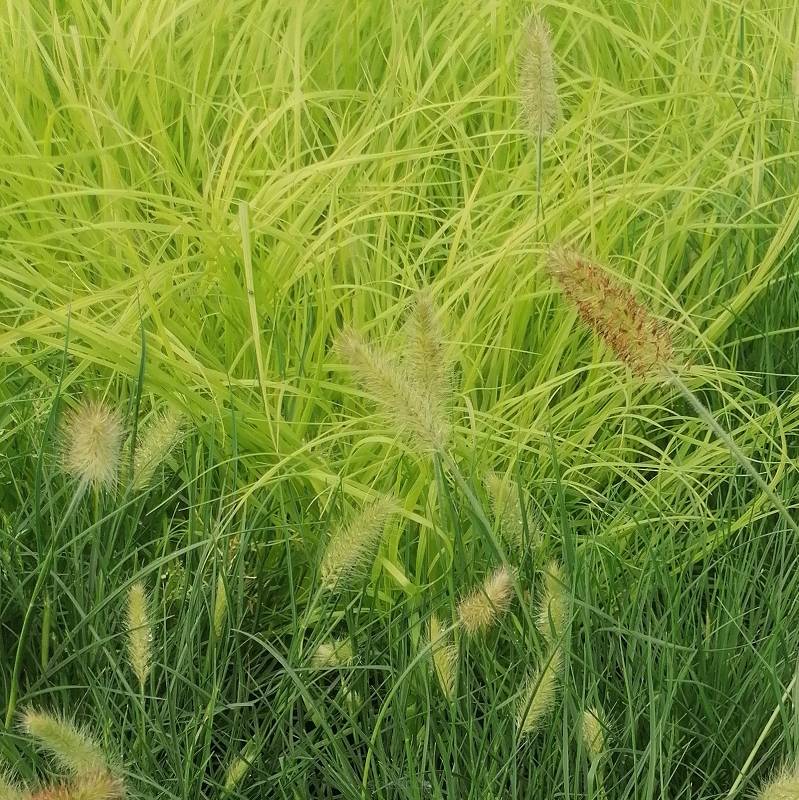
641 341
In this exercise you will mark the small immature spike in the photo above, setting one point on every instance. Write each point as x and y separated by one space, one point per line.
92 438
139 632
72 746
613 313
426 357
395 393
156 440
538 87
352 547
508 511
553 610
593 733
539 695
479 610
445 657
220 606
335 653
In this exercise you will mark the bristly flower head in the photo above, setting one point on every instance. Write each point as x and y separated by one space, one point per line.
335 653
784 787
553 610
479 610
539 695
537 84
92 438
613 313
445 657
395 392
139 632
593 733
157 439
72 747
352 547
508 510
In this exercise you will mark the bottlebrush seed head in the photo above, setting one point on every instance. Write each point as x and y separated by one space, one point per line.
539 695
784 787
92 438
445 657
139 632
71 746
553 610
335 653
157 439
352 547
612 312
395 392
538 87
593 733
479 610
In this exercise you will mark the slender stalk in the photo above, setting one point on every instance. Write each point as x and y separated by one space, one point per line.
736 451
44 572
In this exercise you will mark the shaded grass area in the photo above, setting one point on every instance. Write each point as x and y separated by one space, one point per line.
196 198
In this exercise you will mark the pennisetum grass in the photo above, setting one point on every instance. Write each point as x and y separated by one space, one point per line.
553 610
641 341
444 655
335 653
156 440
509 511
539 695
139 632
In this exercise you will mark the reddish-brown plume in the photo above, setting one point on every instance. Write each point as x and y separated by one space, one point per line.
613 312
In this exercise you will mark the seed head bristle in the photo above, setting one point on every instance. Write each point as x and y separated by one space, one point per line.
538 87
395 393
220 606
335 653
553 609
139 632
99 786
593 733
157 439
784 787
9 787
91 441
426 358
445 657
613 313
352 547
508 511
73 748
479 610
539 695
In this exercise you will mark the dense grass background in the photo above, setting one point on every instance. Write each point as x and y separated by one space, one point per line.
195 197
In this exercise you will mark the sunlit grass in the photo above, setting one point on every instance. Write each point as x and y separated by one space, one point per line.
197 198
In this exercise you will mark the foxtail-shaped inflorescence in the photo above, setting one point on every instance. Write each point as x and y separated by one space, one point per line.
335 653
220 605
445 657
784 786
539 695
139 632
613 313
553 609
480 609
509 512
592 732
91 441
352 547
156 440
91 776
398 396
537 83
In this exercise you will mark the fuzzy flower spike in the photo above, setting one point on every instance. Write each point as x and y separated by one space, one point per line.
92 438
